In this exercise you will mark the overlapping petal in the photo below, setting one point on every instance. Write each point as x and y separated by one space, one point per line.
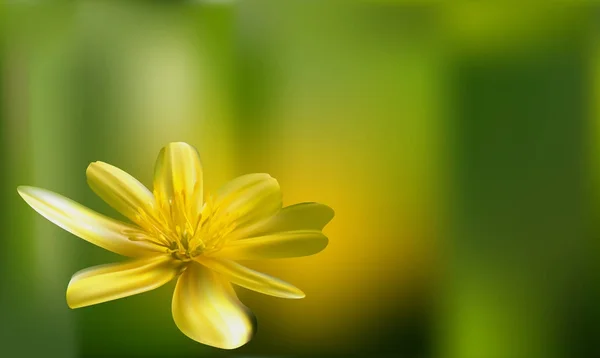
124 193
246 200
275 246
110 234
109 282
206 309
302 216
251 279
178 182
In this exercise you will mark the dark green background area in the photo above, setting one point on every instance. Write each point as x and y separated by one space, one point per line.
458 145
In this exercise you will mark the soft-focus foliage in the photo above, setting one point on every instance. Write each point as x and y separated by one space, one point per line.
456 141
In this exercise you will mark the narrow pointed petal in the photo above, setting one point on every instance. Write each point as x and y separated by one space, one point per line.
247 199
250 279
178 182
275 246
110 234
206 309
302 216
123 192
110 282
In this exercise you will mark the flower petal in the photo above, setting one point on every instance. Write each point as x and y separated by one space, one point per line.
109 282
246 200
123 192
302 216
178 182
275 246
206 309
250 279
112 235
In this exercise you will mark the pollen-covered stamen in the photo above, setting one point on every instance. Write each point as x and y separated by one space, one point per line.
202 222
182 247
155 228
179 220
203 234
220 238
214 229
179 210
225 226
179 253
185 248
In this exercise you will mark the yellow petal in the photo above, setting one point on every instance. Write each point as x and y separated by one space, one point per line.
206 309
247 199
112 235
275 246
123 192
302 216
250 279
178 182
109 282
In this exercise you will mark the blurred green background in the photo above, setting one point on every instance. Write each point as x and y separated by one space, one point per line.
457 143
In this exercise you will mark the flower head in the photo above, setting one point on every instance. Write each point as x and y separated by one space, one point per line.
175 234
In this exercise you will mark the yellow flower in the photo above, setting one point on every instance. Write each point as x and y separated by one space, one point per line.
177 235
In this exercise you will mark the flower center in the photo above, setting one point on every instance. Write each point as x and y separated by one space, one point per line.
183 248
209 236
206 236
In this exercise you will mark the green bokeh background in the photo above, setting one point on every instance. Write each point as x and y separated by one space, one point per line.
457 143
